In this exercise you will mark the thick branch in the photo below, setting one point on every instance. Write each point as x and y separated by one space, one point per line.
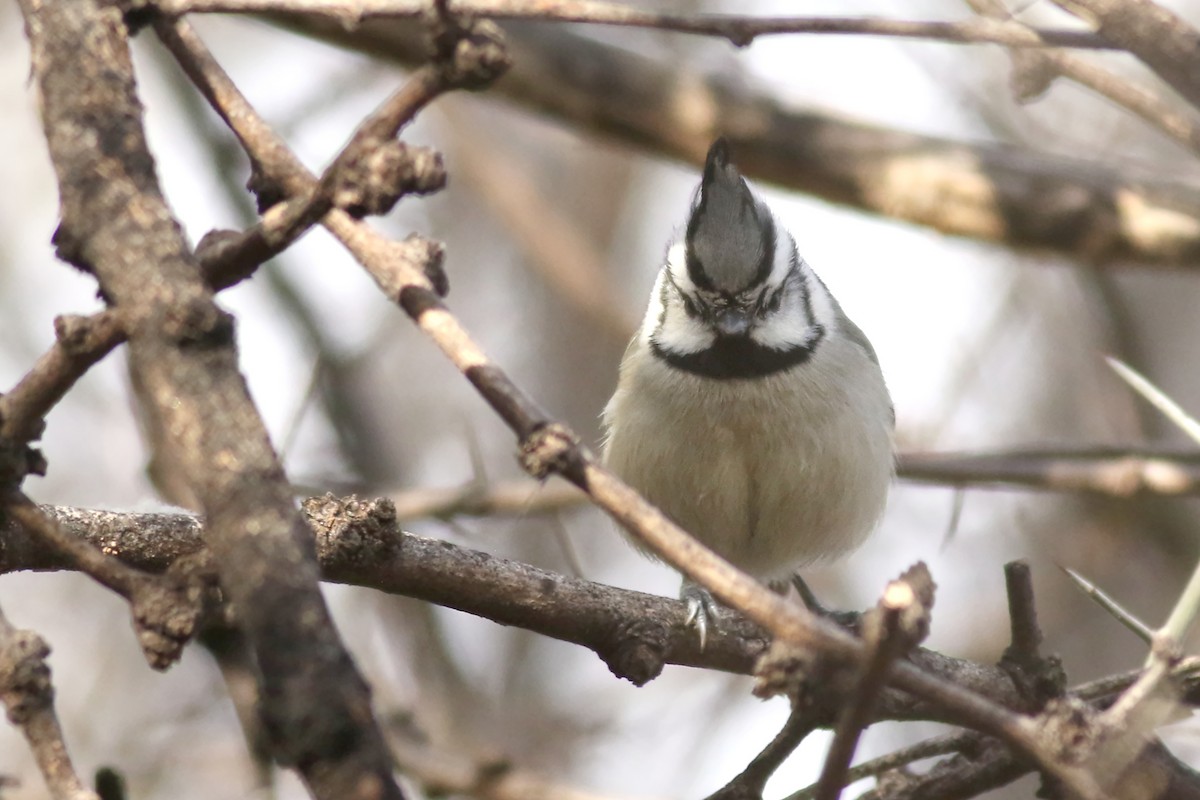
116 224
360 544
635 633
165 608
1012 196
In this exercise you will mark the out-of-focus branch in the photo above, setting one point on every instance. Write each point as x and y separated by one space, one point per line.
1034 71
555 247
116 224
1162 39
900 759
739 30
1012 196
1111 471
443 772
505 498
27 694
1108 471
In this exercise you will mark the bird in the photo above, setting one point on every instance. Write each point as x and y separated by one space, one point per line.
749 408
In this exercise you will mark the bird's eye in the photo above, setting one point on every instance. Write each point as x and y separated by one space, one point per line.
689 306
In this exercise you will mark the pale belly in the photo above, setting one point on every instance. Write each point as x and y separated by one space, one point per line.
770 480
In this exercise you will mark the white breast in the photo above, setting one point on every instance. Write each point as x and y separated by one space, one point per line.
772 473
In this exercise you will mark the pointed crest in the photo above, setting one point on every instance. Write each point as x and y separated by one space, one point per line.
730 236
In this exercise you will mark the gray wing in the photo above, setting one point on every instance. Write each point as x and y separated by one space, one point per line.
855 334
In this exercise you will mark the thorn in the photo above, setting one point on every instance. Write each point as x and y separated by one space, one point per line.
1135 625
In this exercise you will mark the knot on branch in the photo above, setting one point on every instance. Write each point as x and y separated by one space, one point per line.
198 322
549 448
166 613
373 181
215 246
352 531
1067 730
25 687
903 611
792 670
18 459
425 256
637 650
75 332
266 190
1039 680
470 53
70 248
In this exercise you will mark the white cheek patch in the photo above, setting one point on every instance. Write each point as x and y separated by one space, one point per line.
820 300
667 322
785 247
677 267
794 324
788 327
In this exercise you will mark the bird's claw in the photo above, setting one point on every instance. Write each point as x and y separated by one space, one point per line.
701 607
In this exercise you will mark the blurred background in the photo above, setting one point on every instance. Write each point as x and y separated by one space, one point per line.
982 347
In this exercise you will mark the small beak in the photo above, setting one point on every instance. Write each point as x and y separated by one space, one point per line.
732 322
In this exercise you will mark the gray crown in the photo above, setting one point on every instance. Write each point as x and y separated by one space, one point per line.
730 235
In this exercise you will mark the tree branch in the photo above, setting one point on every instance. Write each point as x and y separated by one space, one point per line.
360 544
1016 197
1162 39
116 224
738 29
898 623
27 694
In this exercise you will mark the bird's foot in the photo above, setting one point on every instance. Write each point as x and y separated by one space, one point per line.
845 619
701 608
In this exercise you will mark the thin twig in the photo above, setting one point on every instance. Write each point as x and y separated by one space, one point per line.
79 343
1188 605
750 782
1168 118
27 694
930 748
1108 471
974 773
1162 39
1022 614
739 30
897 624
